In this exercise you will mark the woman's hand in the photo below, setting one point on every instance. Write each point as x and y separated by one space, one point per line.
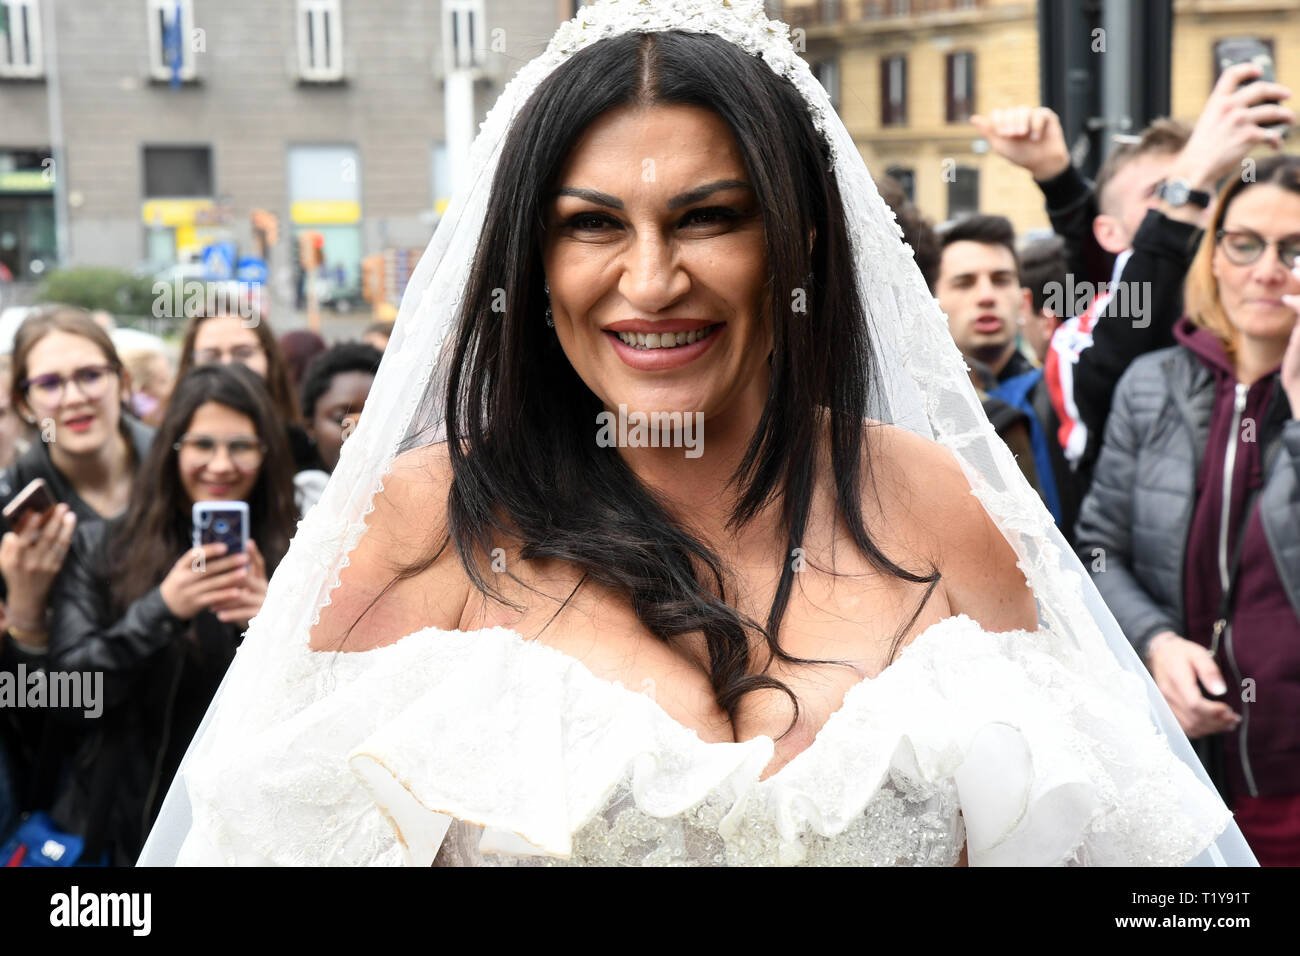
1176 663
202 577
245 607
30 558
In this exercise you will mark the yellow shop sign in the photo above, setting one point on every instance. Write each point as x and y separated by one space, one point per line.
325 212
173 212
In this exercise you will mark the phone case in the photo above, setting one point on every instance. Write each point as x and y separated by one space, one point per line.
225 521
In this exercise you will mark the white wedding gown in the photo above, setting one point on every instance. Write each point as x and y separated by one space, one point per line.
483 748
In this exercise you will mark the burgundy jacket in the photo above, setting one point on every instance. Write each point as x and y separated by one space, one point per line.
1259 655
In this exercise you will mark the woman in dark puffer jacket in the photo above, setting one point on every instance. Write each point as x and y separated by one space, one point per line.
1196 495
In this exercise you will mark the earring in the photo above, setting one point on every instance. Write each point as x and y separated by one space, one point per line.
550 319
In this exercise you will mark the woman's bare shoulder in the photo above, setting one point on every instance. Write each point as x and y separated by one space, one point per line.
405 529
921 488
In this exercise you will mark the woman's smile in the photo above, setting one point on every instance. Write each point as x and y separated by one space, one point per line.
656 351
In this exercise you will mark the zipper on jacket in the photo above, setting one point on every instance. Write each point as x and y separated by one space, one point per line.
1223 627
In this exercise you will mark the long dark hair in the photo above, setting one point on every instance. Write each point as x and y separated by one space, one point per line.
145 542
520 420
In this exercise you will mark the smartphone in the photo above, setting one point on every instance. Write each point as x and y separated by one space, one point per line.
1236 50
225 521
35 497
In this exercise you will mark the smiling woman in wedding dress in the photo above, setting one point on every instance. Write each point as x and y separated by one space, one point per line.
805 641
681 252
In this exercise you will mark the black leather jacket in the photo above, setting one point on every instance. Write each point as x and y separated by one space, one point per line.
159 673
37 747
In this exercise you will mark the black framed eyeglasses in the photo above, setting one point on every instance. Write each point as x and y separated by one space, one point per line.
92 381
245 453
1243 247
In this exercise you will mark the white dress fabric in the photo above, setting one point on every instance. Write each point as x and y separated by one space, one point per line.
449 747
989 740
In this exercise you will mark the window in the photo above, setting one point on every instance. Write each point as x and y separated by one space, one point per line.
906 179
900 8
830 10
893 91
20 38
320 41
964 192
171 23
462 29
177 171
960 86
828 74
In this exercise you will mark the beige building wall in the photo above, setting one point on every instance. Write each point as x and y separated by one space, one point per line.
1003 34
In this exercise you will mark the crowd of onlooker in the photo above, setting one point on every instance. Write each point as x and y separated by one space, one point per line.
1144 365
101 577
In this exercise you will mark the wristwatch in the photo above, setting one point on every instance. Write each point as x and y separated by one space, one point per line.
1179 192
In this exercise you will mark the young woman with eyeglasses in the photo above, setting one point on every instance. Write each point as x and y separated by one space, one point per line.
159 618
219 337
68 385
1192 525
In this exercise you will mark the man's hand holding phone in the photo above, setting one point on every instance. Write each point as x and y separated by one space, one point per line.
1239 115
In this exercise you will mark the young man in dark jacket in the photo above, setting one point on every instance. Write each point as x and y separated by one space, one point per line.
979 289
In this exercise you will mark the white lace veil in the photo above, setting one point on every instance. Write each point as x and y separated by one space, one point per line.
925 389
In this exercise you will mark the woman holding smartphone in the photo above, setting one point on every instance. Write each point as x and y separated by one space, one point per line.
68 385
159 618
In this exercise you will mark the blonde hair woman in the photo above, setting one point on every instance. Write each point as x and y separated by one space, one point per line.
1195 506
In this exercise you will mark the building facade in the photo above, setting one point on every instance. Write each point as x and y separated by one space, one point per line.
181 125
906 76
182 122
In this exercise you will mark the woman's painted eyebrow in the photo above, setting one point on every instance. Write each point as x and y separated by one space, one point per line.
685 199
